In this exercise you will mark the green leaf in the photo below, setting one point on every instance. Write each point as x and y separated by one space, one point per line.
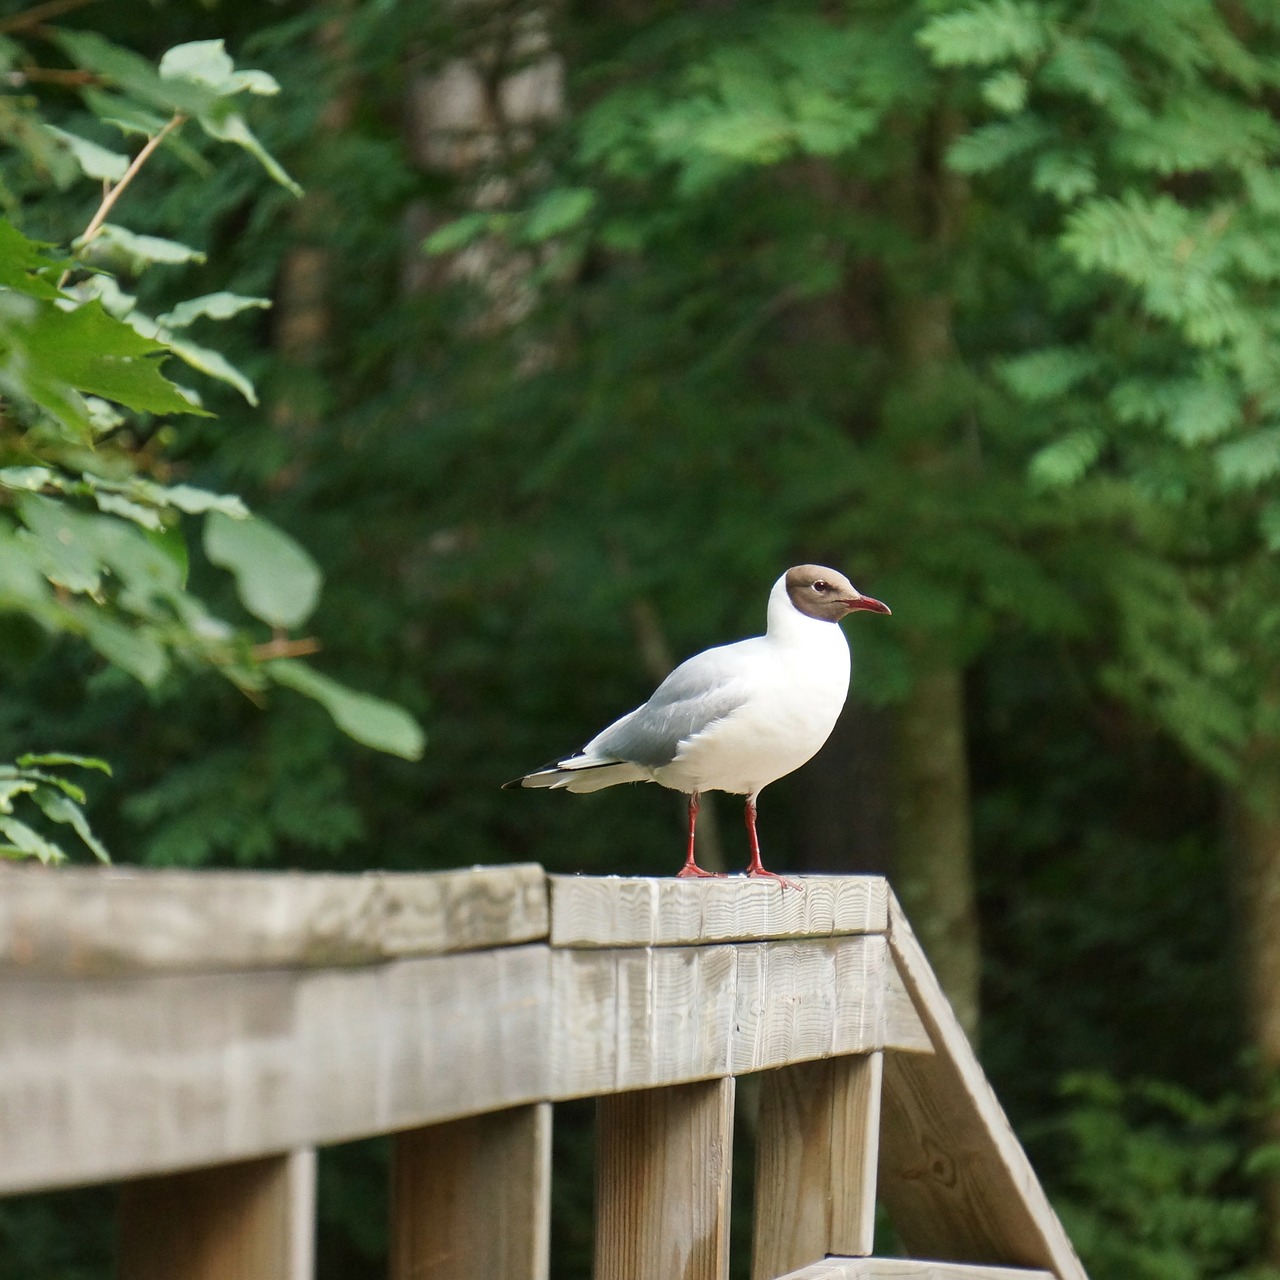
230 126
61 808
115 504
12 786
213 363
65 785
1048 373
206 62
29 479
369 720
993 145
1005 91
1065 461
52 759
986 32
190 499
95 161
276 579
62 542
557 212
23 840
95 353
1263 186
23 585
136 251
1249 462
216 306
1095 71
135 649
75 547
21 263
457 234
1066 175
1204 411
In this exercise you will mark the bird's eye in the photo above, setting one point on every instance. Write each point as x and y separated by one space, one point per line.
822 587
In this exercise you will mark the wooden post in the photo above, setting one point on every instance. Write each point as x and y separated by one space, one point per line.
249 1221
817 1142
664 1159
472 1198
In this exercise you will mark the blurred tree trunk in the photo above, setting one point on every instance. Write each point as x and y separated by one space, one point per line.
1253 819
473 119
933 843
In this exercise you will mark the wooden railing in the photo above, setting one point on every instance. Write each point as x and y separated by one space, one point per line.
196 1036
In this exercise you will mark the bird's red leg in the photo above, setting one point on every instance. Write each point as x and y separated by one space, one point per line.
690 867
756 868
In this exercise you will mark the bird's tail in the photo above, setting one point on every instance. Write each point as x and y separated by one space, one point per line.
582 773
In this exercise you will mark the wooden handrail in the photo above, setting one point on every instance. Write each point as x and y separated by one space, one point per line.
186 1032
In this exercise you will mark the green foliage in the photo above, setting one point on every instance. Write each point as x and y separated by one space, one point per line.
986 33
1155 1183
276 579
1148 154
93 538
369 720
32 779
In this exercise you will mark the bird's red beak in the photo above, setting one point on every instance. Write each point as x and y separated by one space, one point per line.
866 602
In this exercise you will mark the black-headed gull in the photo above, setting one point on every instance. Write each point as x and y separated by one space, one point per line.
737 717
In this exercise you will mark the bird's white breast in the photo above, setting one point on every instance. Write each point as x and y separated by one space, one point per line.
796 681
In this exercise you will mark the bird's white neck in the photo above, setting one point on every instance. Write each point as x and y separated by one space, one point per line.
787 625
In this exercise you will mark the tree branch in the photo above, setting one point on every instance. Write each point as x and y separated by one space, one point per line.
114 194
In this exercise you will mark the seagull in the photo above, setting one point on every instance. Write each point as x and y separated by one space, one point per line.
737 717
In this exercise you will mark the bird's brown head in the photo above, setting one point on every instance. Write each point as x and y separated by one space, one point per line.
826 594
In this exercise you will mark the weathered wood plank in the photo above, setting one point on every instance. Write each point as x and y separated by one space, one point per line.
97 922
119 1077
640 1018
905 1030
613 911
908 1269
114 1078
248 1221
472 1198
664 1159
954 1178
816 1141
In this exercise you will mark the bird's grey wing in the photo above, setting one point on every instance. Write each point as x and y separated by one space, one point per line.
706 688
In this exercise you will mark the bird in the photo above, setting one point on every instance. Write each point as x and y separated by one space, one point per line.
737 717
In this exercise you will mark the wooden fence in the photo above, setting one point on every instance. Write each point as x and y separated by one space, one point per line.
196 1036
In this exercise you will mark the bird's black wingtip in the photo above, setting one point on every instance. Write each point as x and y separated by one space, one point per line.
513 784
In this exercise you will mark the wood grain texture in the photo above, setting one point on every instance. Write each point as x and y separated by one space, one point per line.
904 1030
248 1221
112 1078
616 911
954 1178
472 1198
119 1077
817 1138
908 1269
641 1018
664 1159
103 921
